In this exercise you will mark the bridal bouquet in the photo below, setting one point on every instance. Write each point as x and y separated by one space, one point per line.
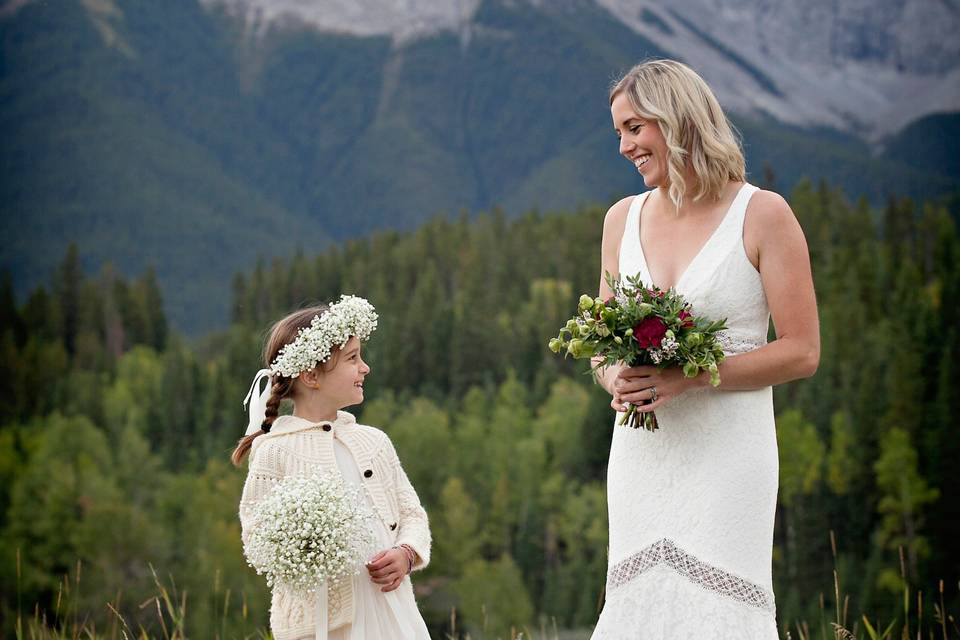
307 530
638 325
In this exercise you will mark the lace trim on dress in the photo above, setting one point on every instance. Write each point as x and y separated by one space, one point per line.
733 344
667 553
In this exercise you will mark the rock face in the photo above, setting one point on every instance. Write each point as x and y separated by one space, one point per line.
868 67
864 66
401 19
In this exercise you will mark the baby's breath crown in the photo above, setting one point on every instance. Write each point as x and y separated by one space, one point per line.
349 316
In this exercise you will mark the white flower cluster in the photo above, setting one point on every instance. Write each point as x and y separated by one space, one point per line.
666 352
350 316
307 530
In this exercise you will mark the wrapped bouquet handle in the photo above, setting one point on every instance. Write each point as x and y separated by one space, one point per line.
320 621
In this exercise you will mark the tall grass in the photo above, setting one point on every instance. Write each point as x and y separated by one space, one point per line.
905 624
166 615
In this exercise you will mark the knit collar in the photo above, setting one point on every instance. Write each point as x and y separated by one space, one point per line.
292 424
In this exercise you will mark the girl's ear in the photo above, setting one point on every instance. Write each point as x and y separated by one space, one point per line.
311 378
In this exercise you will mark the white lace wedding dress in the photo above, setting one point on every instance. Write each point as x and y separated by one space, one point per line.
691 505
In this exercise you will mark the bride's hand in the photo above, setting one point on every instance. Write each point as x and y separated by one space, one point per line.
636 385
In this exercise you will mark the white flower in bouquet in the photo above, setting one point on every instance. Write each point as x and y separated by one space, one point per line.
307 530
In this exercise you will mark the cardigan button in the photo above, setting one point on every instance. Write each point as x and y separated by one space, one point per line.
326 427
393 527
368 473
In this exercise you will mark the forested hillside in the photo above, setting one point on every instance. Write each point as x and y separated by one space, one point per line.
116 432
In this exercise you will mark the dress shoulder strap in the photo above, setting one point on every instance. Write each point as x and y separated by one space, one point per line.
631 230
738 210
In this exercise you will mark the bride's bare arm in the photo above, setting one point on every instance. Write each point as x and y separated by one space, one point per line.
613 226
776 246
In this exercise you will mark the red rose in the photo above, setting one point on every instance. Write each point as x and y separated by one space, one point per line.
683 317
650 332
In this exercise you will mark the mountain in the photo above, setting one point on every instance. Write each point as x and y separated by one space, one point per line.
201 137
867 67
930 143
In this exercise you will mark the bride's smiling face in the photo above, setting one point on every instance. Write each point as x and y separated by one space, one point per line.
641 142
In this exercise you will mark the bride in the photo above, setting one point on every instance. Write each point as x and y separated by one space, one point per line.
691 506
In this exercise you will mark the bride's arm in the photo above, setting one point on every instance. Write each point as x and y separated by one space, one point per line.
776 246
613 226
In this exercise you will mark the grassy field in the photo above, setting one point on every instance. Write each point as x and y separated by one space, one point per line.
922 615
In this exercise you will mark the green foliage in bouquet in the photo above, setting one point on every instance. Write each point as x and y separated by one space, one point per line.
639 325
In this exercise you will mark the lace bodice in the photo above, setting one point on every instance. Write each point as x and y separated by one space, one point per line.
720 281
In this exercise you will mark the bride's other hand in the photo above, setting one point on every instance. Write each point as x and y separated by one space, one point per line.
606 377
639 385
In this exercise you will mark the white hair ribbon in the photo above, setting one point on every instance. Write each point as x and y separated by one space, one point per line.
258 401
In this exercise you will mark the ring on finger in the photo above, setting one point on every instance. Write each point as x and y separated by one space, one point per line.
653 394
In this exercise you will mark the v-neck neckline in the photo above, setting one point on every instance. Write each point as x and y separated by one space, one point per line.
703 247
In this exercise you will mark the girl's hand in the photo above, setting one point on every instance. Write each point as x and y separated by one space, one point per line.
635 385
388 568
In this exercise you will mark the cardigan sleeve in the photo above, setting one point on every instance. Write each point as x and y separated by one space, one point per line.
414 527
261 478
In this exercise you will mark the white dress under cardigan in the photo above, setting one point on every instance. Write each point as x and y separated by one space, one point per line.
366 456
691 506
376 614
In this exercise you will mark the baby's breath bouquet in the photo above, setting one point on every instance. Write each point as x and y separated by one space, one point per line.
639 325
309 529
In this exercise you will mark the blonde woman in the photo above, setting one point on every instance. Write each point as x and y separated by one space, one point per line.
691 506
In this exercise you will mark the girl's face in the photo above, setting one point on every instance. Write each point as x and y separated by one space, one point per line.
641 142
342 386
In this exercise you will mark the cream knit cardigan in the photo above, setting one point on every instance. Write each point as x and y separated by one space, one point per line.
296 446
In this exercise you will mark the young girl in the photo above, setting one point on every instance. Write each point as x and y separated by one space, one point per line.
313 358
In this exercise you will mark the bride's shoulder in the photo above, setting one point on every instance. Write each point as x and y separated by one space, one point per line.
619 209
769 221
768 206
616 216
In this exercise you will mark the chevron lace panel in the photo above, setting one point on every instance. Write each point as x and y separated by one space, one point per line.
667 553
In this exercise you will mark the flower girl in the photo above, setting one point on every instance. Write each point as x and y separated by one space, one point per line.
313 358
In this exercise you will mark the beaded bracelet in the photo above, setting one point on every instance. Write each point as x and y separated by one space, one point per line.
409 552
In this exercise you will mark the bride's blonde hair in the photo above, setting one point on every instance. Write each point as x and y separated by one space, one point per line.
697 132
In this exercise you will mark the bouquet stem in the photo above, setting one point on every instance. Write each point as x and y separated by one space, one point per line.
635 419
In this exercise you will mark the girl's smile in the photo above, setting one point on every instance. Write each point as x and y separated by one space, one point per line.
328 391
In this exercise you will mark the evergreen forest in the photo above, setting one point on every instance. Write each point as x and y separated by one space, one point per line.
118 502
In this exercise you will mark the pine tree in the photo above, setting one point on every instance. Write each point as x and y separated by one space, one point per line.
456 536
153 310
904 495
67 290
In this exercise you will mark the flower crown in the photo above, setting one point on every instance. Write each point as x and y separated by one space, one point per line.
350 316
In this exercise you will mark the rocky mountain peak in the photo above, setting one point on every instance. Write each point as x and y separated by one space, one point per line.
868 67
